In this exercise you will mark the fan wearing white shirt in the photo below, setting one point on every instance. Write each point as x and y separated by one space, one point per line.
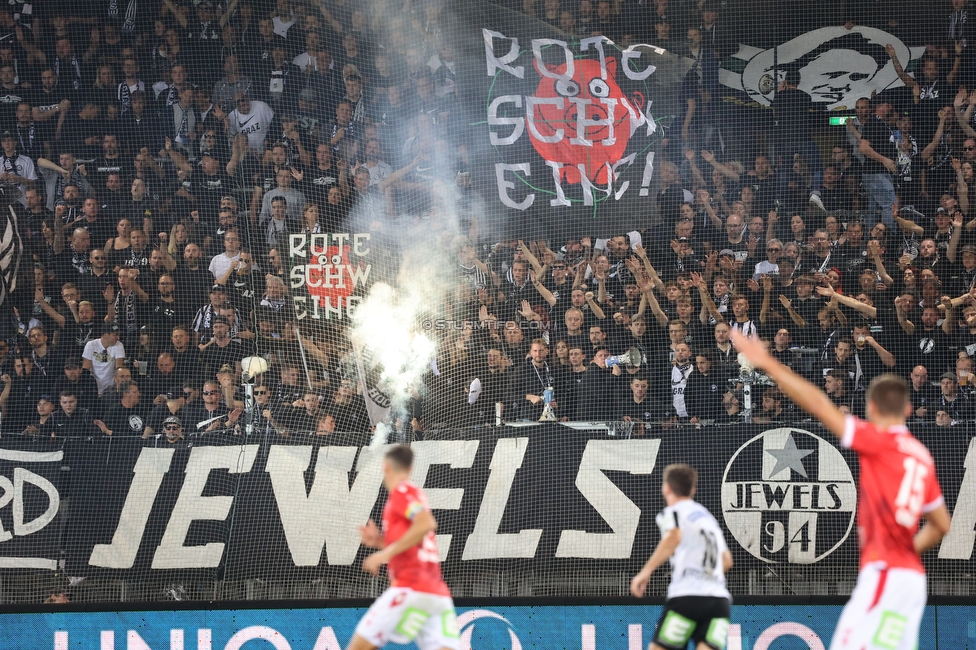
102 356
774 249
231 255
253 119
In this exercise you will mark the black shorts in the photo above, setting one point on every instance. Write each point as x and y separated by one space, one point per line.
693 618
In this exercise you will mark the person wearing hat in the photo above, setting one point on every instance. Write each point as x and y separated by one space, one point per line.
103 355
787 268
952 401
222 349
964 278
16 168
42 424
173 406
75 380
173 428
202 326
715 35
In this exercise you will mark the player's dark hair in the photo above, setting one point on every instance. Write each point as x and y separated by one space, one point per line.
889 394
682 479
400 456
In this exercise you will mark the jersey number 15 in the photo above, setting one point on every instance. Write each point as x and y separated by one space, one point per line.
911 493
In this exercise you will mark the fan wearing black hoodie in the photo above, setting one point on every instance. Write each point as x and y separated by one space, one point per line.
703 395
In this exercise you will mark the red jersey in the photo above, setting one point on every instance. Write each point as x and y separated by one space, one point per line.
418 567
898 485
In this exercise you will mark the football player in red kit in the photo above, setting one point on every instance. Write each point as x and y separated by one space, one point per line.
897 489
418 606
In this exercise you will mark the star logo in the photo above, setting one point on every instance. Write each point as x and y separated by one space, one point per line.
789 457
794 506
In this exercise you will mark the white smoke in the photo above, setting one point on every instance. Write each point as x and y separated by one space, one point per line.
397 323
387 322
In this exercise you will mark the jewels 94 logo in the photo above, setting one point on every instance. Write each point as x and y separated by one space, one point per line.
788 496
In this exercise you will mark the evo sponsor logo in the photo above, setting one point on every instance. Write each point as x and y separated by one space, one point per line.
799 507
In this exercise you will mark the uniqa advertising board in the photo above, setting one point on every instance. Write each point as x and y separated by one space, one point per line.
585 627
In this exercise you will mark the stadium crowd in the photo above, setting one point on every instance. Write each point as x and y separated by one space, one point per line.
163 151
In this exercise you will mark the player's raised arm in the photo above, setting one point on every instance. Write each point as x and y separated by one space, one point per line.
807 396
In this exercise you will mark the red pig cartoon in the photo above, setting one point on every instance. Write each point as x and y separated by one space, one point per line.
585 90
333 285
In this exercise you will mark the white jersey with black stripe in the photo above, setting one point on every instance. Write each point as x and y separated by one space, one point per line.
696 566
